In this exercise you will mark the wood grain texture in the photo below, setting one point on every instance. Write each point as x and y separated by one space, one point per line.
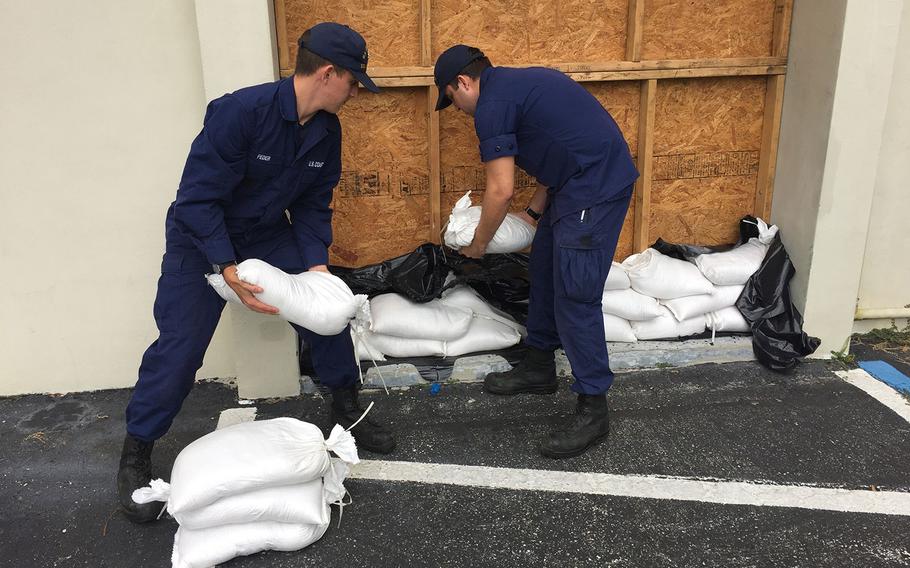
533 31
682 29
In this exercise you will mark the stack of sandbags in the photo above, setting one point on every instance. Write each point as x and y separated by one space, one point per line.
458 323
319 301
662 278
513 235
251 487
620 304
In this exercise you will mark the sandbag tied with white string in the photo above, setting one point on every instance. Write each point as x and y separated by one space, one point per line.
514 234
319 301
251 456
659 276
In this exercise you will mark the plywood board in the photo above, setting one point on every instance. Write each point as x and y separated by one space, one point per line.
382 202
533 31
707 140
390 27
683 29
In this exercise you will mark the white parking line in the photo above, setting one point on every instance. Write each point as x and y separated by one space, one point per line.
877 390
646 487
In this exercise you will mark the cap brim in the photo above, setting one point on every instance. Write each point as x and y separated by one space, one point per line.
364 80
443 101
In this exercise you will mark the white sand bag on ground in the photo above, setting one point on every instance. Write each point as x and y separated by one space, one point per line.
629 304
618 329
667 327
659 276
301 504
318 301
484 334
252 455
735 266
617 279
465 297
208 547
513 235
727 319
406 347
691 306
395 315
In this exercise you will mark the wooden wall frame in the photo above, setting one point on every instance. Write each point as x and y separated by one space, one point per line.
649 74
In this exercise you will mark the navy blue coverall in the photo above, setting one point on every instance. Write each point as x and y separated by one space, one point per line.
561 135
256 184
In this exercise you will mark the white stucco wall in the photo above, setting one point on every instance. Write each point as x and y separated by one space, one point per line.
99 104
842 57
885 281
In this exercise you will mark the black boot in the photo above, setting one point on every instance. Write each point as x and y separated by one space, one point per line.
536 374
590 424
135 472
368 434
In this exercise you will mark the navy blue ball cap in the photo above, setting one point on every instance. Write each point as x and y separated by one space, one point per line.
447 67
342 46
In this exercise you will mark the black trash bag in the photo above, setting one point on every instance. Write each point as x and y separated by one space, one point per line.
778 339
501 279
419 275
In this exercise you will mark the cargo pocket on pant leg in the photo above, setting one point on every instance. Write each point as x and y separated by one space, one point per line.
581 272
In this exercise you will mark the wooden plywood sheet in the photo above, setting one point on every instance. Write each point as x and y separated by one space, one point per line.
683 29
707 138
390 27
382 201
525 32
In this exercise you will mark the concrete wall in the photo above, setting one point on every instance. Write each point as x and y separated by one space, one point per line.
99 104
842 56
885 280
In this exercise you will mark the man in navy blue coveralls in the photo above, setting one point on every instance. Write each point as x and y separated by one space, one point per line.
551 127
257 183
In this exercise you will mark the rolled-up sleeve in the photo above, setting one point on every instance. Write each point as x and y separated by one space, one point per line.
496 123
311 216
214 168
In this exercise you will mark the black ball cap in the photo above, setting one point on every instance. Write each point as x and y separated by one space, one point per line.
448 65
342 46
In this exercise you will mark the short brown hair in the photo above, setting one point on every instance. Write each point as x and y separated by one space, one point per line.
472 69
307 62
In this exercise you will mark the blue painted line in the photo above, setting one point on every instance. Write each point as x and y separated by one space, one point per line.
887 374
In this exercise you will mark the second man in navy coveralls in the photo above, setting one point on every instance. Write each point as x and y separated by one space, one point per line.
551 127
257 184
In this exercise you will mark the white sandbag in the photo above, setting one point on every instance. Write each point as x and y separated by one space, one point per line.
629 304
618 329
667 327
617 279
393 314
319 301
406 347
365 350
514 234
735 266
727 319
205 548
301 504
691 306
483 334
250 456
465 297
659 276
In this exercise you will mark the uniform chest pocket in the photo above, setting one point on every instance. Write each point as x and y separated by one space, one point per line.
263 166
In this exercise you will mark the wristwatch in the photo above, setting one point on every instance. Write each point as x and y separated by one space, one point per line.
219 268
532 214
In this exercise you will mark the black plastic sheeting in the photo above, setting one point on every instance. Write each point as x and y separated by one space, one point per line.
501 279
778 339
